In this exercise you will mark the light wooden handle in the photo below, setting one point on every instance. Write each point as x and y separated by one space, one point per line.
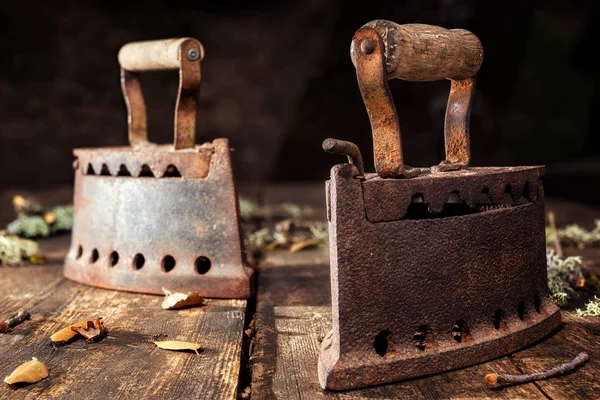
159 54
418 52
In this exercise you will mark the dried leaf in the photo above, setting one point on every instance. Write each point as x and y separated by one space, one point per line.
29 372
177 346
304 244
68 333
174 301
91 330
273 245
64 335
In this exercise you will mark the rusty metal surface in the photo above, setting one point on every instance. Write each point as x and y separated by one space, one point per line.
396 278
372 81
435 268
348 149
151 216
389 199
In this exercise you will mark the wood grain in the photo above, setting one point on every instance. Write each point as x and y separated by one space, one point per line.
126 364
419 52
154 54
293 315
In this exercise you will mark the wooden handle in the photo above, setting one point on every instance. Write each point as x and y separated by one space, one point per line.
158 54
418 52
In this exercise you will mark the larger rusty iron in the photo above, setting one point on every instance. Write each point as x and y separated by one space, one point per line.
149 216
436 268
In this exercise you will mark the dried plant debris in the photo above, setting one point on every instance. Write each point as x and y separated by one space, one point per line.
93 331
33 221
178 346
291 235
247 208
296 247
575 235
174 301
30 372
564 275
500 379
13 321
592 308
25 206
13 249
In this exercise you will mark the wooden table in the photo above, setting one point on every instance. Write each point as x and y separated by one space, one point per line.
291 315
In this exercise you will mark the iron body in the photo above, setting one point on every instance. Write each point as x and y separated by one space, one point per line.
432 269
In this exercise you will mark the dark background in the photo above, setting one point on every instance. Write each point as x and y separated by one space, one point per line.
277 80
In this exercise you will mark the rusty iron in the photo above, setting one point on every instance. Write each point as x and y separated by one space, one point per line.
436 268
149 216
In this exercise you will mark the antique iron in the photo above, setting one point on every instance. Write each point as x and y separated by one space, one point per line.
436 268
149 216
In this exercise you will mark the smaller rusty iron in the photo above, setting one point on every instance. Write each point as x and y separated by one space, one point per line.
149 216
435 268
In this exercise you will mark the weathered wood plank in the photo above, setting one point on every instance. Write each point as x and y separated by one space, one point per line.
293 315
126 363
561 347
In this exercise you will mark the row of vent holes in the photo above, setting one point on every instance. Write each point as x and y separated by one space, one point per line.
459 330
202 264
170 172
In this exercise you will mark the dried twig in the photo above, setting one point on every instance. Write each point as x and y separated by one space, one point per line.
499 379
13 321
552 221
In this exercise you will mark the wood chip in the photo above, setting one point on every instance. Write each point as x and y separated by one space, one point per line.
304 244
174 301
91 330
29 372
178 346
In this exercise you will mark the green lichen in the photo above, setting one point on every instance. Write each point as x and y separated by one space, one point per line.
64 219
247 208
14 249
575 235
29 226
592 308
561 273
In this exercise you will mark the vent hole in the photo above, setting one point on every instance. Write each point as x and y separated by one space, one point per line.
497 318
90 170
420 337
145 171
526 190
381 342
79 252
123 171
459 330
171 172
168 263
536 303
114 258
484 197
94 256
202 265
138 261
521 310
417 198
104 171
